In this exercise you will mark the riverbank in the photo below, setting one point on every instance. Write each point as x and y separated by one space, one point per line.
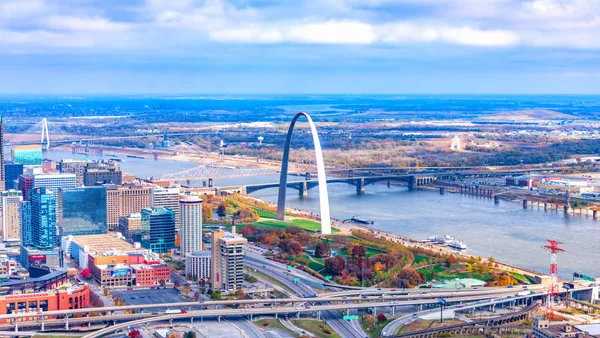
347 228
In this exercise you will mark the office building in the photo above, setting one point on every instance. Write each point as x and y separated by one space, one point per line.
25 183
227 261
68 166
81 211
158 229
55 181
198 265
543 328
125 200
29 155
166 198
131 226
12 171
98 173
26 232
43 218
2 173
190 232
10 208
32 258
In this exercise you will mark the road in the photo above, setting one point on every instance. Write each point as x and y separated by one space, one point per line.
249 328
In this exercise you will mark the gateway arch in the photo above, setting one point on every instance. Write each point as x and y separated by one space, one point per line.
323 196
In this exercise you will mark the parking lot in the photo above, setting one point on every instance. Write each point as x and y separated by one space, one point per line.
152 296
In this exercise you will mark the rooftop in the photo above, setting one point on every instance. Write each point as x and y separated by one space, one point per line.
103 243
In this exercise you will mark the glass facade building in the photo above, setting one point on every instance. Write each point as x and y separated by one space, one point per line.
158 229
27 155
12 171
82 211
26 233
43 218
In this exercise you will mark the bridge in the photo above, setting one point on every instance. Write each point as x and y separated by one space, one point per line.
413 181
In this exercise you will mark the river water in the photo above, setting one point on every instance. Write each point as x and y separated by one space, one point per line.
505 231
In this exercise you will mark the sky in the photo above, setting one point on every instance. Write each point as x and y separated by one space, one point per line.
299 46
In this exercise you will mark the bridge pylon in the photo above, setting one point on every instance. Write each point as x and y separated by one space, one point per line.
45 128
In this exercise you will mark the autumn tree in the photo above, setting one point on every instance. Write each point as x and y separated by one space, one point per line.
239 294
322 250
134 334
207 213
196 296
381 318
369 321
358 251
176 284
335 265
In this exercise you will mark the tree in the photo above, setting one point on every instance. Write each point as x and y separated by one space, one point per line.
469 268
450 260
186 288
369 321
239 294
174 335
190 334
322 250
381 318
134 334
85 273
196 296
432 276
216 295
222 209
358 251
207 213
176 284
335 265
378 267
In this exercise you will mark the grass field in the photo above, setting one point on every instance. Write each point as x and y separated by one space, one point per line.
419 259
376 332
265 213
316 328
520 277
305 224
275 324
315 263
370 252
455 271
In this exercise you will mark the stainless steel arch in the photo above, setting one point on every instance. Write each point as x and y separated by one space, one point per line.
323 196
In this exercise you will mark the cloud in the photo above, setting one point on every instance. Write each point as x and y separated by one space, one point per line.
79 24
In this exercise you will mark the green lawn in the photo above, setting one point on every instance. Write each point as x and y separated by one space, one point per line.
305 224
316 328
455 271
420 258
370 252
275 324
376 332
316 263
520 277
265 213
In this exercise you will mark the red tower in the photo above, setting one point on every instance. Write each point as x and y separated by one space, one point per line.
553 288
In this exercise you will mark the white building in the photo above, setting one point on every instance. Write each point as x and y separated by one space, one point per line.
198 265
190 231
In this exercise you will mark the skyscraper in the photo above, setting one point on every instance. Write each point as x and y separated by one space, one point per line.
190 232
2 184
43 218
166 198
82 211
124 200
11 215
12 170
26 233
227 260
158 227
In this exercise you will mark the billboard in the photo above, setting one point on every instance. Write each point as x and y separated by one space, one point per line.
120 273
37 259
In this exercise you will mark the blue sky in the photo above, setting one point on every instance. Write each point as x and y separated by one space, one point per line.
300 46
